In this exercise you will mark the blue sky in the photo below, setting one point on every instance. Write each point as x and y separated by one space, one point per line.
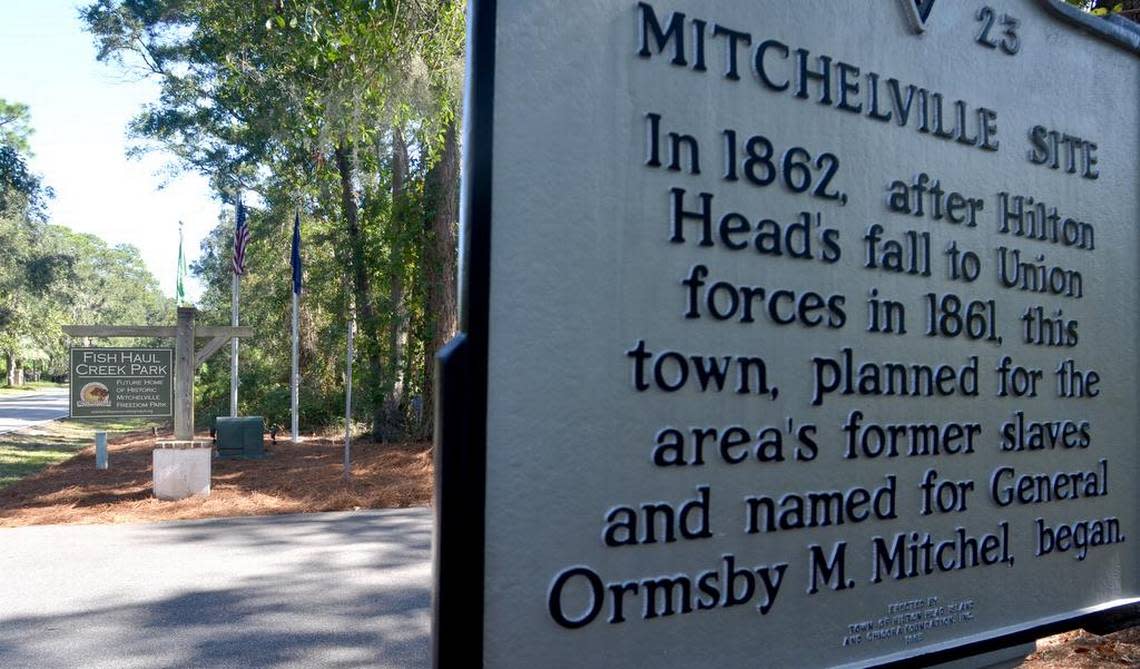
79 110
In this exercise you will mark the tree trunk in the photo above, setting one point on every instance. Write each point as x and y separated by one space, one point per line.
361 285
10 360
15 374
441 257
391 424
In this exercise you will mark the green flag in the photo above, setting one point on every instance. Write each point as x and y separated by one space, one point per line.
180 288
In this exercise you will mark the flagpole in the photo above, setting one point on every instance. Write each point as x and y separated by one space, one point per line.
234 348
295 377
241 239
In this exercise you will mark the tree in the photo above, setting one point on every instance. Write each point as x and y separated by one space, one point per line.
343 108
15 125
27 269
51 276
22 193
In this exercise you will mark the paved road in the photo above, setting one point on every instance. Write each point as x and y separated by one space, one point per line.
21 411
309 590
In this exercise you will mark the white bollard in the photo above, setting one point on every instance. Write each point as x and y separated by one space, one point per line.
100 450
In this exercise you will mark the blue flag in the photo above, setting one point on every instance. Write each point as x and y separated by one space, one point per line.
296 260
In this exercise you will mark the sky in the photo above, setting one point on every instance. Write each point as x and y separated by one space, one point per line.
79 111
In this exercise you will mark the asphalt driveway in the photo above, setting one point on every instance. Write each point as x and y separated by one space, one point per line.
21 411
309 590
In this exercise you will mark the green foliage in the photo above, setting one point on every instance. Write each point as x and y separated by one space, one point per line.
1126 8
336 108
15 125
22 195
51 276
266 296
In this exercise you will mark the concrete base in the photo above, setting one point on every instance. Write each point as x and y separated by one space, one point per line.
182 472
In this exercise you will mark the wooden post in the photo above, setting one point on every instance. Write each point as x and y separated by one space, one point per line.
184 364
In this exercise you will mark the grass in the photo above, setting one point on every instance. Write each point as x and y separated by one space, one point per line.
30 387
25 453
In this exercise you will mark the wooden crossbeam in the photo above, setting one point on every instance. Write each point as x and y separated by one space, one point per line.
119 330
200 332
210 349
187 357
223 331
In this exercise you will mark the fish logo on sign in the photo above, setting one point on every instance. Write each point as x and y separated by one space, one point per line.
917 12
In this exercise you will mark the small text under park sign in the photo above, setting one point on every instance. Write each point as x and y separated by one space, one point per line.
121 382
794 334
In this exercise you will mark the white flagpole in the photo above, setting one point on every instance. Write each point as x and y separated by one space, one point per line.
296 376
348 399
234 348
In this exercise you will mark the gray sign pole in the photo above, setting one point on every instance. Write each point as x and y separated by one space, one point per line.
100 450
348 399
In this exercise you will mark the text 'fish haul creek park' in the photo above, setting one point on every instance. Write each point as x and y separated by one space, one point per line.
122 382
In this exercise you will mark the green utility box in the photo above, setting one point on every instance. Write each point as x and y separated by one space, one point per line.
241 437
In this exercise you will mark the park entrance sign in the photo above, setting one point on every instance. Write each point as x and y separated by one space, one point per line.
122 382
129 382
794 334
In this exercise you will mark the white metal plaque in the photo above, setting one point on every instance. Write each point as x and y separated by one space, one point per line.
810 330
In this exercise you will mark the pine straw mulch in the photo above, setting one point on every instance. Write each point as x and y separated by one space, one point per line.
1084 650
293 478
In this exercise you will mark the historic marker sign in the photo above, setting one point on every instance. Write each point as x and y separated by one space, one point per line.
795 334
121 382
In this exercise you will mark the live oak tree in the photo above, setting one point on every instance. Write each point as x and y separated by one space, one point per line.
346 110
51 276
26 271
26 279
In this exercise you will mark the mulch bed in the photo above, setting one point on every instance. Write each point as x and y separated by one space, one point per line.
1084 650
294 478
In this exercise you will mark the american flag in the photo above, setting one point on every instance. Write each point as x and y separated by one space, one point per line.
241 240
